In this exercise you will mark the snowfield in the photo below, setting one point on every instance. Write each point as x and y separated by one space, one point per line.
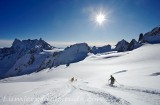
137 74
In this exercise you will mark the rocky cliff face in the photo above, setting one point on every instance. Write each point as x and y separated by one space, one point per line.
122 46
133 45
152 37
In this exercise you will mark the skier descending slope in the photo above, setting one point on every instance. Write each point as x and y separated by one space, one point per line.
112 80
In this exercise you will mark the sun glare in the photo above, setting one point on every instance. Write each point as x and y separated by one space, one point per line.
100 18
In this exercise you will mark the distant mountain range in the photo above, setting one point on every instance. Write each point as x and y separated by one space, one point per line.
28 56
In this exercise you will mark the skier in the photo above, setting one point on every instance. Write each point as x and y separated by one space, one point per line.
112 79
72 79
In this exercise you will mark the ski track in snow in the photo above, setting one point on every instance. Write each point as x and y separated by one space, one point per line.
68 91
154 92
52 96
148 96
108 97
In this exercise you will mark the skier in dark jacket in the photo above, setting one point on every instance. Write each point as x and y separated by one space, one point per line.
112 79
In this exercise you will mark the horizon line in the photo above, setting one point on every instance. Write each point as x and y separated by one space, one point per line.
8 43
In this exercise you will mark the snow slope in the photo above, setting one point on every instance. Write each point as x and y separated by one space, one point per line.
137 74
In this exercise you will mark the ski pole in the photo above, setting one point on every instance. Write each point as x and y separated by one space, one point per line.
119 84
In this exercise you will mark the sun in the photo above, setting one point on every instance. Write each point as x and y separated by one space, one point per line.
100 18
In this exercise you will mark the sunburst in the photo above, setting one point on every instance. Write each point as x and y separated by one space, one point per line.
100 18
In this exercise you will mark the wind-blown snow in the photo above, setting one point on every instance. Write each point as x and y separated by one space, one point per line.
133 70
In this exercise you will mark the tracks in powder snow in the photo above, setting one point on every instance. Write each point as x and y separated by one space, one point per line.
136 95
54 95
67 93
108 97
78 93
153 92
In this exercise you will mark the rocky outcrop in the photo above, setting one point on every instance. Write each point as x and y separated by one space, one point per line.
133 45
102 49
152 37
140 38
122 46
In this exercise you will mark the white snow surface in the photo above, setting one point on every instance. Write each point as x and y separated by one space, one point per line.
137 74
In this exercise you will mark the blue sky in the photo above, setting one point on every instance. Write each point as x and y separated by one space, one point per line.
70 21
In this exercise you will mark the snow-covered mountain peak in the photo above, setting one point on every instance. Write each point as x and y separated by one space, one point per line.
152 36
154 31
72 54
79 47
123 42
11 58
16 42
30 44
